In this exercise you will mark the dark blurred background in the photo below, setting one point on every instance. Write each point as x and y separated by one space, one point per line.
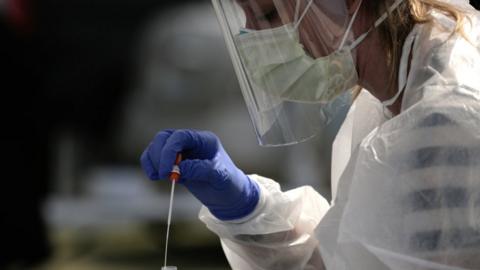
475 3
86 85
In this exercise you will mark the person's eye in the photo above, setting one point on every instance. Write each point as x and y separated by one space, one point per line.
272 15
268 16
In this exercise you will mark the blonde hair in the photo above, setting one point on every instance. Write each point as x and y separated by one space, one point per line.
400 23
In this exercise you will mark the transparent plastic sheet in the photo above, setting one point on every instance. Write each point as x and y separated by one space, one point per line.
287 59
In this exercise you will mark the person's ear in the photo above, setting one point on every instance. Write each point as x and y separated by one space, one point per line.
352 6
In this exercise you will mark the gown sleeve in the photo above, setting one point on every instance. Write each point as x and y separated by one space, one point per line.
279 234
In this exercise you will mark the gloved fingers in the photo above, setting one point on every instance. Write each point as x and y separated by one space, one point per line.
150 159
181 141
206 145
147 166
195 170
200 172
176 143
157 145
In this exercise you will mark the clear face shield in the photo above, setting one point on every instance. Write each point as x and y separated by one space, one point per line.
294 63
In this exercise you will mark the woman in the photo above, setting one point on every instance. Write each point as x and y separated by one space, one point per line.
405 185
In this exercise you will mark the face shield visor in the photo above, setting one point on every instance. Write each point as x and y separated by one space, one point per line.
294 63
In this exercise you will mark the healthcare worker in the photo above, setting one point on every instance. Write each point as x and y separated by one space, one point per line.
406 161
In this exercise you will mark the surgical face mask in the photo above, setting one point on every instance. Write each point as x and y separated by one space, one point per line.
292 96
277 63
288 72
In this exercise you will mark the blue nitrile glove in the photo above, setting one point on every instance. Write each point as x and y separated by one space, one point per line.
206 170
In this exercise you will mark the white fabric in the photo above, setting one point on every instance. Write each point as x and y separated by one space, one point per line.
406 189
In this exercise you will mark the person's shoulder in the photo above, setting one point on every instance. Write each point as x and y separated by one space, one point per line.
443 28
444 66
439 109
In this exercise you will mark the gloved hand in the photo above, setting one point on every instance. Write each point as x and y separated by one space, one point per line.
206 170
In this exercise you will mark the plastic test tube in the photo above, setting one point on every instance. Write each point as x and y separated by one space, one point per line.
174 177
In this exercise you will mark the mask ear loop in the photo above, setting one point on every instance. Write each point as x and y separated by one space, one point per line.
297 10
350 25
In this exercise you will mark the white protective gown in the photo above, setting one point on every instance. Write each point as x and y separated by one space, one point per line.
406 190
